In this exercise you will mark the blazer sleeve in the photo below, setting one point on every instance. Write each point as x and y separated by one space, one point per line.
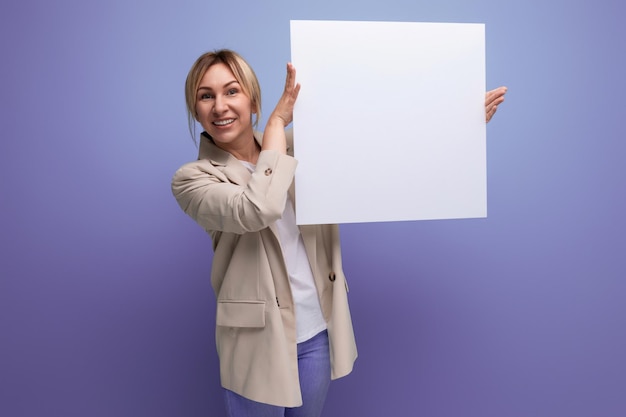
217 204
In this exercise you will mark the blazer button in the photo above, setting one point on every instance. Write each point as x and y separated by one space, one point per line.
268 172
332 277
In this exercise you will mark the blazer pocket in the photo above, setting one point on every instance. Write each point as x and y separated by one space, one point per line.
240 313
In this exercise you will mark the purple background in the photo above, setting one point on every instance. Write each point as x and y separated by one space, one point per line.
105 303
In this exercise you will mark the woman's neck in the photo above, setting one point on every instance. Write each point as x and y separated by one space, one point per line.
248 151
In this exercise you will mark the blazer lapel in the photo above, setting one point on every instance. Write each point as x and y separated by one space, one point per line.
222 160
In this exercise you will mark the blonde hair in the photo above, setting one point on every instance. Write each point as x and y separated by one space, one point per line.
242 71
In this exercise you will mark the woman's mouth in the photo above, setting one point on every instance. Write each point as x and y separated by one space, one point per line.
224 122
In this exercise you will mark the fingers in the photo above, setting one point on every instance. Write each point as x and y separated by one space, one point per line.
490 113
284 109
496 95
493 98
291 87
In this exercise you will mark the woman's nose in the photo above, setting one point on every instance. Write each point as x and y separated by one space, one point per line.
219 105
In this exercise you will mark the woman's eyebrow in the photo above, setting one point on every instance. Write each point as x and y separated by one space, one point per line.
225 85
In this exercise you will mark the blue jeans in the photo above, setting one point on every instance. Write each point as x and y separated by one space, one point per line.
314 370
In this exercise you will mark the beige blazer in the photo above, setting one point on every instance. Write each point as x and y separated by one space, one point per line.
255 329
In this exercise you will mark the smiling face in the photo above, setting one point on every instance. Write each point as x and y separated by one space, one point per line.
223 109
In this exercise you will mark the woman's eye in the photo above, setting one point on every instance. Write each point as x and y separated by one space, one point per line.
206 96
232 91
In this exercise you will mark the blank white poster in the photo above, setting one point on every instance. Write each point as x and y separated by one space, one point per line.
390 121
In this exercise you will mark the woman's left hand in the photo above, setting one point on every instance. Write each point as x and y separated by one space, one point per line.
274 135
493 99
284 109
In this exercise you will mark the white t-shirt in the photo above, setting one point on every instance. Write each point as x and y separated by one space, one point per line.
309 318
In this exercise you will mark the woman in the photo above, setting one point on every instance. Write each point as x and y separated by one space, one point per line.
283 323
